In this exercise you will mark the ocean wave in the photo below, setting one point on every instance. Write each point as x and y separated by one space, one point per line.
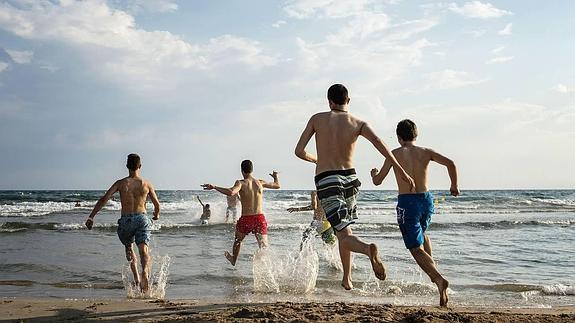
528 290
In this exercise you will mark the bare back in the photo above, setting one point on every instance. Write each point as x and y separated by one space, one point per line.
336 133
133 194
414 160
251 196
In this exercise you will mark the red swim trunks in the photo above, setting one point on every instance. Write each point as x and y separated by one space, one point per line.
252 224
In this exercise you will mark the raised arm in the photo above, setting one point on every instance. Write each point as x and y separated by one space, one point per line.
303 141
368 133
155 201
378 177
451 170
100 204
201 203
226 191
275 184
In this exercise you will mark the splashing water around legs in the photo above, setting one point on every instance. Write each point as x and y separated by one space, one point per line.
295 272
155 282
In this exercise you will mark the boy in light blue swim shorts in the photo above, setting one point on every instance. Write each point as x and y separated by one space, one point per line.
134 225
414 210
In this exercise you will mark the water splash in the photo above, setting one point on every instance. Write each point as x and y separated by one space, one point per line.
294 273
158 279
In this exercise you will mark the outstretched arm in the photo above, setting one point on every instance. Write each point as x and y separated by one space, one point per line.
378 177
201 203
368 133
451 170
155 201
303 141
226 191
100 204
275 184
299 209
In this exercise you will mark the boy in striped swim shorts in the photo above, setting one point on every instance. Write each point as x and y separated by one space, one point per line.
336 133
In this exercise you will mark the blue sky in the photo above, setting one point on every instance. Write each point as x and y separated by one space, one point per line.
196 86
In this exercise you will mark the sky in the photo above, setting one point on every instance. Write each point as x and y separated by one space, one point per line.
196 86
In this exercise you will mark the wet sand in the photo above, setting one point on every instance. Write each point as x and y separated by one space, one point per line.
106 310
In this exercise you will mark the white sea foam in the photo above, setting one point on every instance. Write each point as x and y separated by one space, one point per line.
158 279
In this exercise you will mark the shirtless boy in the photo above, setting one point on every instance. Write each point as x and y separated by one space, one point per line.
252 220
336 133
206 212
232 208
319 222
414 210
133 225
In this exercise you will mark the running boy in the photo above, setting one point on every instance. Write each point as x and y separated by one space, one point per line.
252 220
414 210
206 212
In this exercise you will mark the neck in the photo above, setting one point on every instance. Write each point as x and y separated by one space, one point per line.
134 173
246 176
407 144
339 108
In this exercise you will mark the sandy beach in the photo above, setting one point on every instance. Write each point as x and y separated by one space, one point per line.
125 310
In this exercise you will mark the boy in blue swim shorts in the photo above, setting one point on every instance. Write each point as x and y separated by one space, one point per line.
414 210
134 225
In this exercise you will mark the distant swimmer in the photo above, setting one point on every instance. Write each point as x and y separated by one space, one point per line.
337 184
251 192
414 210
206 212
232 208
77 204
319 224
134 225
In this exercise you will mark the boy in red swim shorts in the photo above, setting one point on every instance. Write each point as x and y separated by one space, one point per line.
252 220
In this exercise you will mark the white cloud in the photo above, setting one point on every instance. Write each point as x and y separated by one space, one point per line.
151 5
3 66
507 30
478 9
497 50
562 88
450 79
500 59
21 57
476 33
278 23
302 9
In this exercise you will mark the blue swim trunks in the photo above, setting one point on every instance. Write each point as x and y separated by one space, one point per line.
134 227
414 216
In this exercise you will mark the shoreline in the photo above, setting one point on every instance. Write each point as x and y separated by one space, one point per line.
146 310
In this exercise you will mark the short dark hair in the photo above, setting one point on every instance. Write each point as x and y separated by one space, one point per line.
133 162
406 130
207 206
247 166
337 94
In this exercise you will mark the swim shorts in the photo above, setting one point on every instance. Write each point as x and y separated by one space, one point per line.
255 224
321 228
414 213
337 191
134 227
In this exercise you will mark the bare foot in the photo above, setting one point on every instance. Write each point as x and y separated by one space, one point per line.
230 258
376 264
442 287
144 284
346 284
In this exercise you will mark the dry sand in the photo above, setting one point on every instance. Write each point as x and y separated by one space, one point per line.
51 310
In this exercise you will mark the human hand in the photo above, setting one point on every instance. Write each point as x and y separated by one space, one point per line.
374 172
292 210
454 190
208 187
274 175
89 223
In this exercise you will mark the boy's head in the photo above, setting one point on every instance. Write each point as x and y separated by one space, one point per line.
337 94
133 162
207 207
247 167
406 130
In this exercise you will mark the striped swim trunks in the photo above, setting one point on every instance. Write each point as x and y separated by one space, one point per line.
337 191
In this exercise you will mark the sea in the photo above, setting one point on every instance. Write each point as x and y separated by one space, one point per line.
498 248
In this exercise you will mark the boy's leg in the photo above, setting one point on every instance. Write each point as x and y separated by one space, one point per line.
262 240
227 214
131 257
146 261
349 243
425 261
236 248
427 245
